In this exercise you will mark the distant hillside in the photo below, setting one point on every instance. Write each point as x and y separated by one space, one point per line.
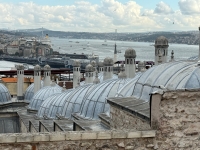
189 37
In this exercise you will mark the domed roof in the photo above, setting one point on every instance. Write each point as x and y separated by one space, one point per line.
108 61
37 67
64 104
170 76
4 94
95 101
47 67
89 68
93 63
20 67
43 94
130 53
161 40
30 92
100 64
76 63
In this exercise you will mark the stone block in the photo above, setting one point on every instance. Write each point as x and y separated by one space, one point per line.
58 136
41 137
104 135
134 134
89 135
73 136
24 138
7 138
150 133
118 135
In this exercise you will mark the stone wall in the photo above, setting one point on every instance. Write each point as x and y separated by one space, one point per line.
108 140
179 123
121 119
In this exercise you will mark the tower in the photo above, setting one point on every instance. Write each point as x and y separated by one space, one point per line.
76 73
161 50
96 79
100 66
37 78
89 73
20 81
141 66
47 75
115 53
130 56
122 74
108 68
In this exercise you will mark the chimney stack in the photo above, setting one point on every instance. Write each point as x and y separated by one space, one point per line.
37 78
20 81
47 75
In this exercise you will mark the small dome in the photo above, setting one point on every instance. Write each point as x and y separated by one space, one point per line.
100 64
140 64
89 68
161 41
47 67
37 67
43 94
93 63
20 67
108 61
130 53
4 94
76 63
29 93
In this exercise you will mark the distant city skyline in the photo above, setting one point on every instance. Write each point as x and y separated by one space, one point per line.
101 16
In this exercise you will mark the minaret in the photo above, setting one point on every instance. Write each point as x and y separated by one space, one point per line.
199 42
96 80
89 73
47 75
115 53
122 74
37 78
161 50
76 73
108 68
20 81
130 56
100 66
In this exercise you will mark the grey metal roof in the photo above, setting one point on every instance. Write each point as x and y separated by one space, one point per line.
29 93
4 94
95 102
167 76
64 104
43 94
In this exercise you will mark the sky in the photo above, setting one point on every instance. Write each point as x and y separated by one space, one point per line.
101 15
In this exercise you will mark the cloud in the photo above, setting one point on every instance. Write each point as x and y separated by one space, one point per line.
162 8
189 7
104 17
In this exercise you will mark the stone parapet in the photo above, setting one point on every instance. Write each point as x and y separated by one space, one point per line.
74 136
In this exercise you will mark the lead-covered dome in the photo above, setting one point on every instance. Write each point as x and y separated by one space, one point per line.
167 76
161 41
95 101
47 68
37 68
43 94
130 53
29 93
93 63
108 61
64 104
4 94
76 63
89 68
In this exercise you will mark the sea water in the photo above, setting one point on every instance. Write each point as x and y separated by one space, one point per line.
105 48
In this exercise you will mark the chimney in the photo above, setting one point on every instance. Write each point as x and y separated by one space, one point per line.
37 78
47 75
76 73
20 81
89 73
130 56
108 68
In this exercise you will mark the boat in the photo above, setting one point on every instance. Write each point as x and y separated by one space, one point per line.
105 44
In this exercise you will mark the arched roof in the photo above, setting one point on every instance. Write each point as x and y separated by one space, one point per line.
43 94
167 76
95 102
29 93
4 94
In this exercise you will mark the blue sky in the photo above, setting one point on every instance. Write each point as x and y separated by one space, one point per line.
101 15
